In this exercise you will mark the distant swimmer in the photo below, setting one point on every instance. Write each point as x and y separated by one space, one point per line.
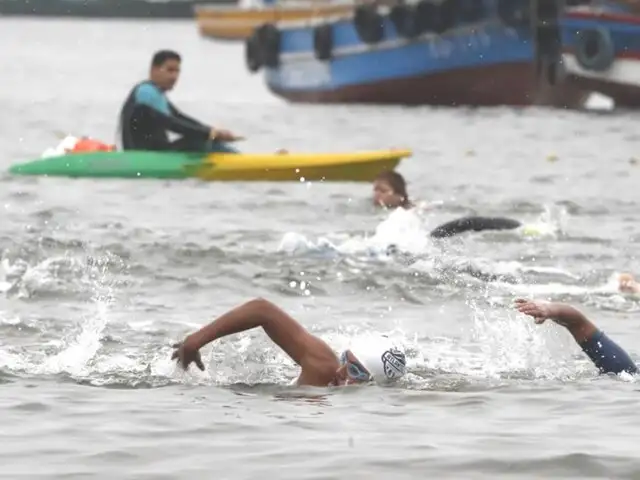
390 191
606 355
147 115
372 359
628 284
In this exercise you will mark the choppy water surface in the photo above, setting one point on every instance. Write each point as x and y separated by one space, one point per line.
100 277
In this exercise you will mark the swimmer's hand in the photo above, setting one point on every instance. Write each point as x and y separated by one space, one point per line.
540 311
565 315
187 352
562 314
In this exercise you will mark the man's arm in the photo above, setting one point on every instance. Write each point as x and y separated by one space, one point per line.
177 125
569 317
157 106
606 355
473 223
287 333
214 133
178 114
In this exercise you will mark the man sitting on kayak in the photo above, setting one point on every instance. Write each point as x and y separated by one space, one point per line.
147 115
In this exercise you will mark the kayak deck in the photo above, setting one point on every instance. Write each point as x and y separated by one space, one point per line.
356 166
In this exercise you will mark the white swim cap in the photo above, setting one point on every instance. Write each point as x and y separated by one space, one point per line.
380 357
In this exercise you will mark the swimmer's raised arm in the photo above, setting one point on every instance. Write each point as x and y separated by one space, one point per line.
475 224
286 332
606 355
569 317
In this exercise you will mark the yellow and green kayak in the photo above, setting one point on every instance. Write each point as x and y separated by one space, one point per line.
356 166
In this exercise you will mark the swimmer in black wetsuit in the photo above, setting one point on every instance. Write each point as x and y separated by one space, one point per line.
390 191
605 354
147 115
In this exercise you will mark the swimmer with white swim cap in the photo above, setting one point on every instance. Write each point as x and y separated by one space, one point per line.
373 359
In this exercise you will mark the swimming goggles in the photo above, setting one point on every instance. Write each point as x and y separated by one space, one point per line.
355 371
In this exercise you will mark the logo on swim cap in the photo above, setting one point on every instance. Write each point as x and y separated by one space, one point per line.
394 363
378 355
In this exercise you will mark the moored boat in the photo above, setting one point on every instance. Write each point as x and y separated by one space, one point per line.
450 52
238 22
601 49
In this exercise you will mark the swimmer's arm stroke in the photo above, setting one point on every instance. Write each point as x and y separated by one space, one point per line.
286 332
580 327
605 354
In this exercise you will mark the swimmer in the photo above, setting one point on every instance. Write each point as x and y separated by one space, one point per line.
390 191
628 284
369 360
605 354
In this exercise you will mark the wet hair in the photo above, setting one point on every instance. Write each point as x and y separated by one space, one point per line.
162 56
397 184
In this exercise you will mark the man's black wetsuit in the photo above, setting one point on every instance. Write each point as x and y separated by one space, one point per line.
147 115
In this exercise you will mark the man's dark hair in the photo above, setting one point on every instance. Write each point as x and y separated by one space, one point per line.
162 56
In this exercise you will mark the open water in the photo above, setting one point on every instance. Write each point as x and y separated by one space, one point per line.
99 278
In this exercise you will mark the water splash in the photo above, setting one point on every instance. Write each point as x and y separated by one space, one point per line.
76 351
402 231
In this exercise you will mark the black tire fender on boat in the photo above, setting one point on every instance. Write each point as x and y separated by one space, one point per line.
369 24
449 11
323 41
556 73
269 40
552 71
469 11
252 53
595 49
434 18
405 21
514 13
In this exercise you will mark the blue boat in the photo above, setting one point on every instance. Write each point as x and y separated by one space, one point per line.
601 50
450 52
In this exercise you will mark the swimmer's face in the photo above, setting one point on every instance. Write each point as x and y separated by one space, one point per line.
351 371
384 196
166 75
626 283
